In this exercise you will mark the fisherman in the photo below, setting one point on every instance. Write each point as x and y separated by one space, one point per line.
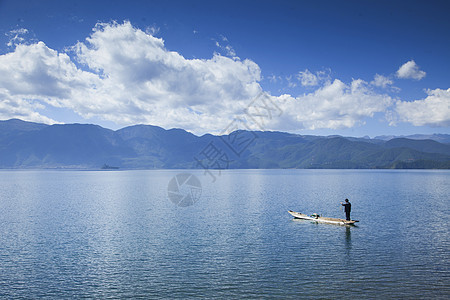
347 208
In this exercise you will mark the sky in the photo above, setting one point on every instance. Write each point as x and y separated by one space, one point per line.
352 68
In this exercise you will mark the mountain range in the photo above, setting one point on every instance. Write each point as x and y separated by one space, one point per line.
85 146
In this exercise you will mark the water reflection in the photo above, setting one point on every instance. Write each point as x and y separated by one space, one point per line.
348 238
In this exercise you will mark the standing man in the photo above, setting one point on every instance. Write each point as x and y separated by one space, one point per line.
347 208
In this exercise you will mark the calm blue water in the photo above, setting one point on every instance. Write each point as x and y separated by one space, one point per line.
115 234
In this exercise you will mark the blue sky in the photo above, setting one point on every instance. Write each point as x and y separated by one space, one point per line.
329 67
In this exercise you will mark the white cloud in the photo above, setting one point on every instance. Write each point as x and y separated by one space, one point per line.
307 78
434 110
36 74
16 36
133 79
162 87
291 84
381 81
152 30
227 49
335 105
36 70
21 109
274 79
410 70
127 76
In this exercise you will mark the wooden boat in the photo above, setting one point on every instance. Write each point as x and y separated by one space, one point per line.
317 218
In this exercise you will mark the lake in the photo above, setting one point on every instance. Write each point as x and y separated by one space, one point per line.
119 234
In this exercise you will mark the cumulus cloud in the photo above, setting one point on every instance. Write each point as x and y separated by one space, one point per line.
381 81
130 77
335 105
434 110
141 75
38 71
35 74
410 70
22 109
125 75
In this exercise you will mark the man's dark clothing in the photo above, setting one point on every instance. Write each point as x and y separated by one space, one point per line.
347 209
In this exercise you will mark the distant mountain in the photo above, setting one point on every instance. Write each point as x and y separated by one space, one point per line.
16 127
71 145
33 145
155 147
428 146
441 138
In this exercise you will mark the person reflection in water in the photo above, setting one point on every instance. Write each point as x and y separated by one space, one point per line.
347 208
348 238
